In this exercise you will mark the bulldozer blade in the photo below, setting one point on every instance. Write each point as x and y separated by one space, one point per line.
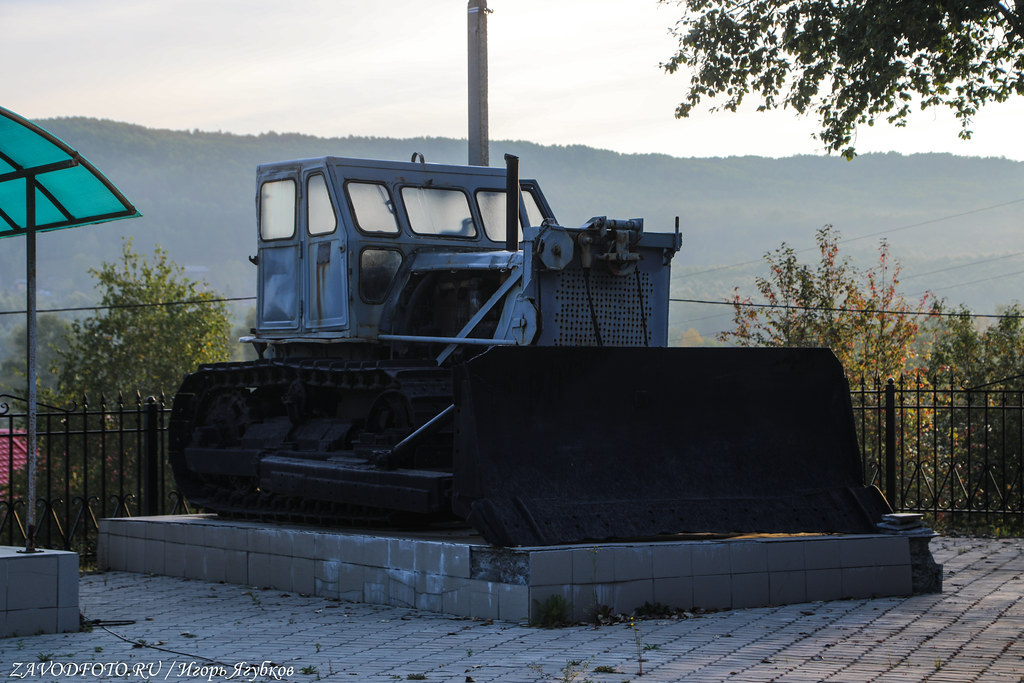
563 445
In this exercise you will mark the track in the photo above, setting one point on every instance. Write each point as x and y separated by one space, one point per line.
311 440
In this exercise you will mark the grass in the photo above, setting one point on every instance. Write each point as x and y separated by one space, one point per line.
554 612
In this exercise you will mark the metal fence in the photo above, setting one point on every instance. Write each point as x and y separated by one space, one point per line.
952 452
107 459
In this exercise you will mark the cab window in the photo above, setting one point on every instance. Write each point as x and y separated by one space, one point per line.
438 211
320 215
492 211
277 209
372 207
377 268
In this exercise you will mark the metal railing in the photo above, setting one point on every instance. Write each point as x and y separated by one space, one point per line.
951 451
107 459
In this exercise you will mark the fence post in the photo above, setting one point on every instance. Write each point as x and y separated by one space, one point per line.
152 505
890 444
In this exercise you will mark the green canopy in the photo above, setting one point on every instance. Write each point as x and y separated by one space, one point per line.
69 191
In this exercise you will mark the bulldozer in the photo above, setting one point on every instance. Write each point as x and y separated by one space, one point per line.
434 348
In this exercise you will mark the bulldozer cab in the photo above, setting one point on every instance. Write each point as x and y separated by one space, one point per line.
334 233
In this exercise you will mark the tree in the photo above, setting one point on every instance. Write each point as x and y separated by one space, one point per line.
852 63
50 332
156 326
979 355
861 316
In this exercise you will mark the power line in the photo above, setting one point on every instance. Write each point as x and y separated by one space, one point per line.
840 309
79 309
887 231
964 265
934 220
986 279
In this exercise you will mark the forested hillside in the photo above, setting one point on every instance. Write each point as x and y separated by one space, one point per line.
196 193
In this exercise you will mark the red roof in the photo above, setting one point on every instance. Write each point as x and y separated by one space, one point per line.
11 443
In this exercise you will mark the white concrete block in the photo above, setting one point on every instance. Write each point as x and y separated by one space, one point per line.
304 544
674 591
153 556
454 560
174 559
670 560
236 567
712 591
824 584
750 590
629 595
784 555
550 567
303 574
746 557
822 553
787 587
632 563
593 565
32 582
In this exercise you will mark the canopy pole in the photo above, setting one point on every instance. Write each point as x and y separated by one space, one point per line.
30 275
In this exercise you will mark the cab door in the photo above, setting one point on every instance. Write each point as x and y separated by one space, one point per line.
279 254
325 255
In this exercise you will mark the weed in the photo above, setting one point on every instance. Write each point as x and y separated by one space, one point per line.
469 652
603 614
553 612
308 670
416 677
255 598
45 656
654 609
650 646
639 645
98 648
317 646
573 669
605 669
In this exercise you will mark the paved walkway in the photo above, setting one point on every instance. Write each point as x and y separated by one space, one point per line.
180 630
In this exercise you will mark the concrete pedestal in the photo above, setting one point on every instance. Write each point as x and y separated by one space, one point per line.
457 573
38 592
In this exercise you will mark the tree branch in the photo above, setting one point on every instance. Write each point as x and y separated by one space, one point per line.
1013 19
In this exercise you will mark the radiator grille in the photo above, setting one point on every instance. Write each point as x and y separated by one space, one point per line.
617 307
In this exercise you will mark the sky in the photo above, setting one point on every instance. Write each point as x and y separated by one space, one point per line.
561 72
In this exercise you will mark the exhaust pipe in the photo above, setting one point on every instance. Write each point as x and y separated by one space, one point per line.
511 203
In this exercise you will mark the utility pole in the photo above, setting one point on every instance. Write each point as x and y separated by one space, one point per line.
478 136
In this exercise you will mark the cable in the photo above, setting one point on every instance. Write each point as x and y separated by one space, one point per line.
873 234
590 301
142 643
975 282
839 309
962 265
643 306
122 306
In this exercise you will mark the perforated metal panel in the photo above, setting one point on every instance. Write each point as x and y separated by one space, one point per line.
616 306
